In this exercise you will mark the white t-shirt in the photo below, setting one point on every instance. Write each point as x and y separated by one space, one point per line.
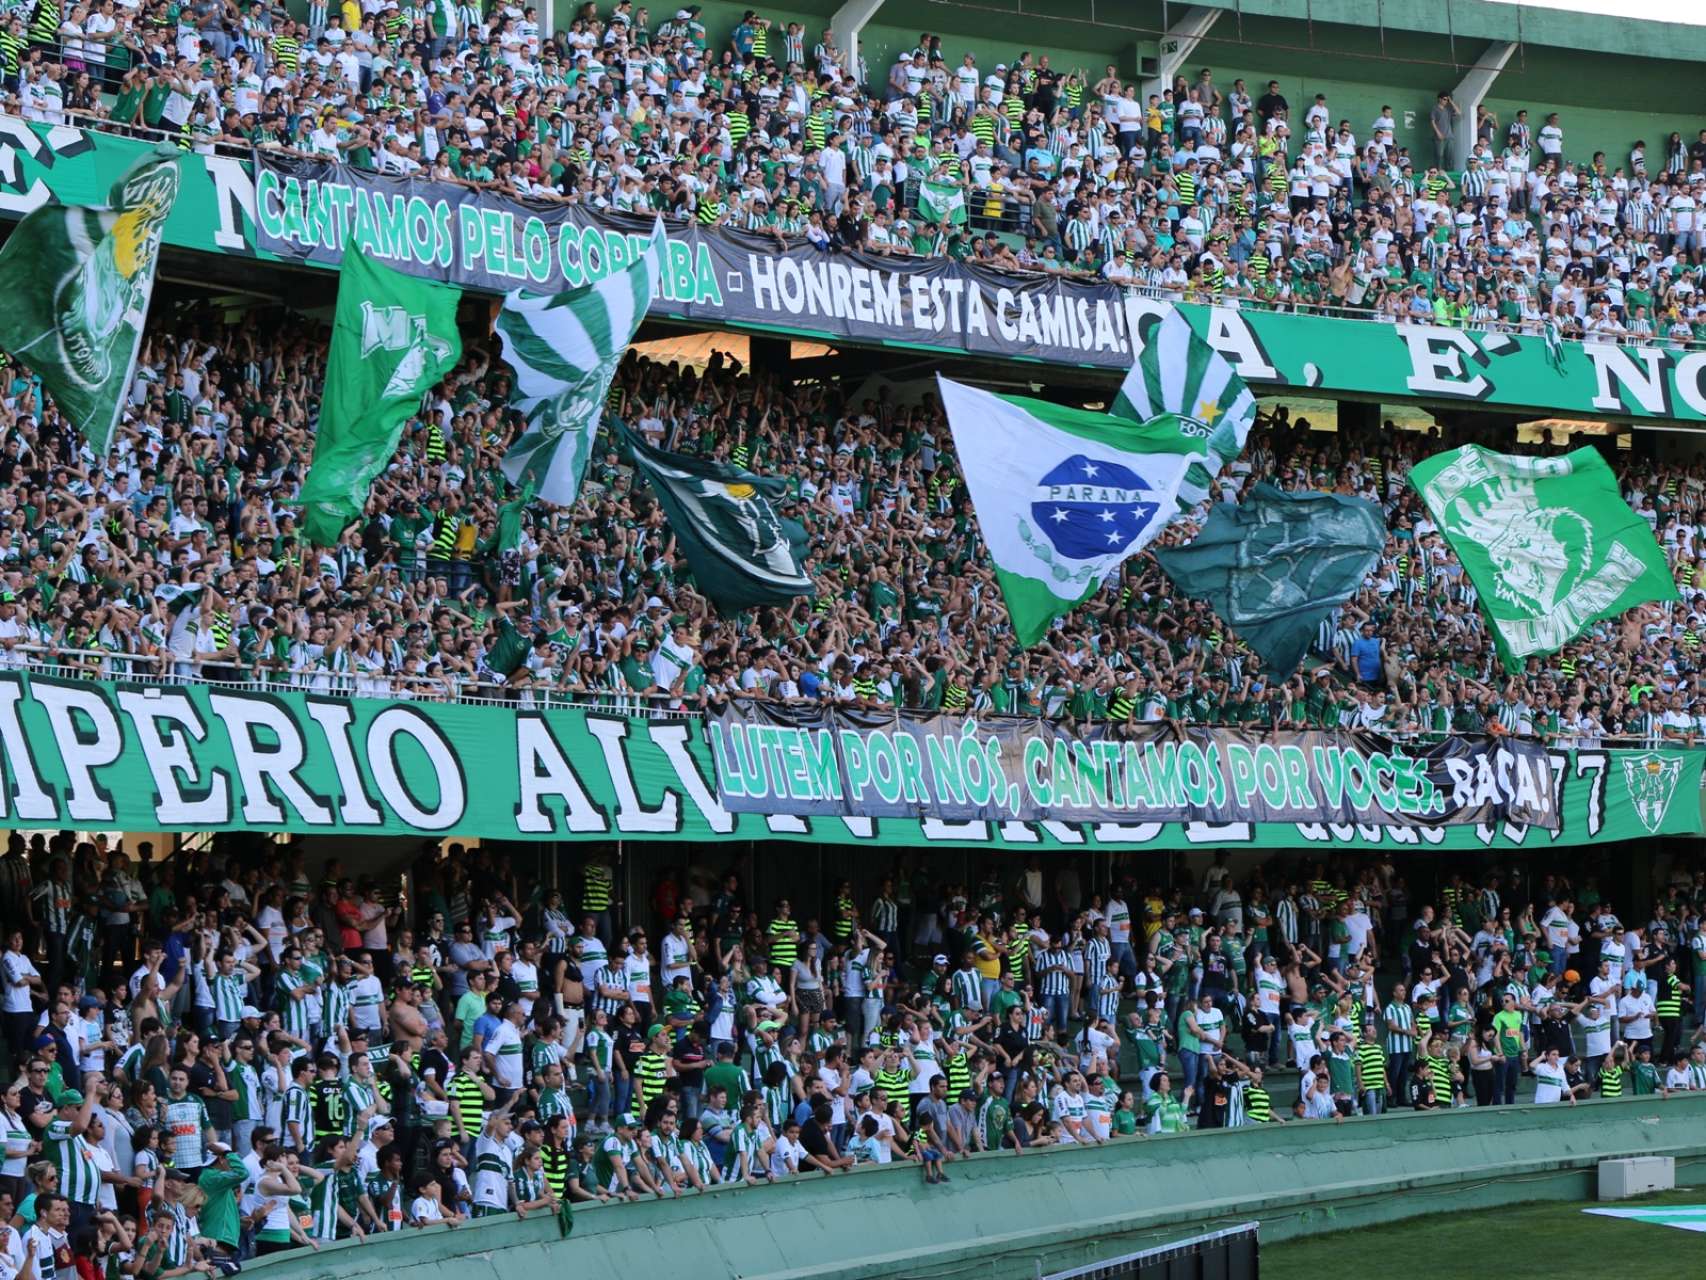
1640 1007
1066 1106
1596 1034
1549 1081
504 1044
16 969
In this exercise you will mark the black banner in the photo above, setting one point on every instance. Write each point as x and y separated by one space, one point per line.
817 762
308 210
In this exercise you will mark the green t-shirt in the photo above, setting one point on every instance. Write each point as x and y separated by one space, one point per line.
1508 1024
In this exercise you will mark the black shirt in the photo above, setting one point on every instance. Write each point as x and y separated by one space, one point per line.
814 1139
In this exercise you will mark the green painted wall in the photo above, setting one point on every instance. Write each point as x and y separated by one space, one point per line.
1003 1217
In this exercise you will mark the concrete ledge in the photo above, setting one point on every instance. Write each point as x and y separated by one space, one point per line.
1062 1207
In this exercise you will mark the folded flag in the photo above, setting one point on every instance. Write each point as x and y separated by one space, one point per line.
78 280
394 338
1181 376
942 202
1548 543
1278 563
565 349
1063 495
742 552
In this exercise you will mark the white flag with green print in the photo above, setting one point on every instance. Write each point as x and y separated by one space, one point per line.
1063 495
565 349
941 202
1180 376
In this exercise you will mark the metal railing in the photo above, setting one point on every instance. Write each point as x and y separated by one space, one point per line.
171 670
167 669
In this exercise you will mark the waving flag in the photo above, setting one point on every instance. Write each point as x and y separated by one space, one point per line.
1548 542
741 551
565 349
943 202
78 282
393 339
1277 563
1063 495
1179 376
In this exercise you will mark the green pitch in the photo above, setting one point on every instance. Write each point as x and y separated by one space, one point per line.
1507 1243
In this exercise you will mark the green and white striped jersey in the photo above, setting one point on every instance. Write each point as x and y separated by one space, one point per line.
79 1176
494 1167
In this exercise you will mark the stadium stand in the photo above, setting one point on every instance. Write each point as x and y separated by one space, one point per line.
222 1056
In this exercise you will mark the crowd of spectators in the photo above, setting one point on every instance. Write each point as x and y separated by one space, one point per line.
180 556
1205 189
219 1056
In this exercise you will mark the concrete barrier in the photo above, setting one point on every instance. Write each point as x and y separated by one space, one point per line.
1008 1215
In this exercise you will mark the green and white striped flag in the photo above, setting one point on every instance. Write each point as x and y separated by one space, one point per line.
1180 376
565 349
941 202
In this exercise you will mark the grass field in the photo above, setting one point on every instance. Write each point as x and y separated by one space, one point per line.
1525 1242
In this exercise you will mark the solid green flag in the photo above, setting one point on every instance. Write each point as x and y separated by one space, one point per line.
393 339
1548 543
1278 563
77 282
742 553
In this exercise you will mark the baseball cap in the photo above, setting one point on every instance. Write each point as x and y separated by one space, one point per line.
71 1098
627 1120
656 1029
249 1011
771 1025
940 960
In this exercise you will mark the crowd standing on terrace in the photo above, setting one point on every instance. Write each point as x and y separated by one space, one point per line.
218 1057
180 556
1205 189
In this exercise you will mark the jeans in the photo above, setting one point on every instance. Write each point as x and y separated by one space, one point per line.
1398 1069
1121 960
598 1096
1057 1009
624 1094
1373 1101
990 987
1190 1063
242 1133
1505 1075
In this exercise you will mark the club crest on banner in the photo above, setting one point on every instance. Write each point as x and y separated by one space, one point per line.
1652 780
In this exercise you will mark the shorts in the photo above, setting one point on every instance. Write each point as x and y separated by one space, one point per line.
509 569
810 999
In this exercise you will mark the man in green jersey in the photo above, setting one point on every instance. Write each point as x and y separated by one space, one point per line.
1508 1025
184 1127
64 1144
994 1118
336 1199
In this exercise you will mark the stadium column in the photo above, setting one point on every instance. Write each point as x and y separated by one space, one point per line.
1177 45
773 356
848 21
1471 92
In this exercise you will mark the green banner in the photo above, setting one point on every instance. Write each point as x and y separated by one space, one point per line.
109 756
716 278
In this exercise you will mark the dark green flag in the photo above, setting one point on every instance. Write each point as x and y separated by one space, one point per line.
742 552
1277 564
